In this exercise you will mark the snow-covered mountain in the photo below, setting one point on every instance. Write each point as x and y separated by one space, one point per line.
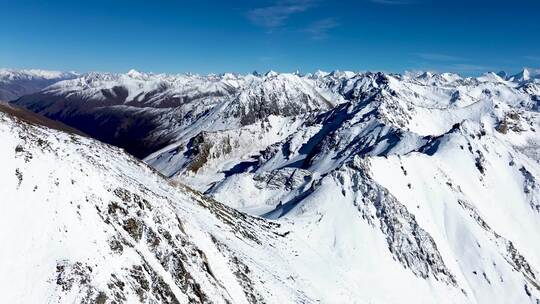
16 83
145 112
387 188
525 75
82 222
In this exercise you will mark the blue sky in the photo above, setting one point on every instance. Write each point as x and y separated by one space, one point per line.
206 36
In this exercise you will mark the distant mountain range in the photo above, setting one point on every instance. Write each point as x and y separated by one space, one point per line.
16 83
360 187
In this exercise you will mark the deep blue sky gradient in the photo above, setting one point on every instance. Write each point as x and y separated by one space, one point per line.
207 36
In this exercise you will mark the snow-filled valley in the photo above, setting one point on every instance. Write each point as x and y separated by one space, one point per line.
334 187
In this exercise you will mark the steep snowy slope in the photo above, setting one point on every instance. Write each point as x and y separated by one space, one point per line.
144 112
378 115
131 110
16 83
82 222
525 75
383 188
443 169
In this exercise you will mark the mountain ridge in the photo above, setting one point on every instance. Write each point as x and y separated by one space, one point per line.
16 83
400 187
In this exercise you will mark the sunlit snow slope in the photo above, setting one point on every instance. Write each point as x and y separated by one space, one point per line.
16 83
376 188
82 222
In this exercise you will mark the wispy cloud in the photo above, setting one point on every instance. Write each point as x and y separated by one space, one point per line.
276 15
438 57
319 29
393 2
465 67
461 68
533 58
450 63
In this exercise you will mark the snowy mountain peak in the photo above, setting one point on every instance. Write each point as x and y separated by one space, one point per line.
402 182
425 75
12 74
320 74
16 83
524 75
270 73
342 74
135 74
502 74
104 228
491 76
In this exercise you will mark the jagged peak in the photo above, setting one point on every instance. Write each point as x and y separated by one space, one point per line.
425 75
342 74
270 73
491 76
320 74
135 74
502 74
35 73
524 75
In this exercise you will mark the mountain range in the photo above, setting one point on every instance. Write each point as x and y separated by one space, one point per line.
16 83
336 187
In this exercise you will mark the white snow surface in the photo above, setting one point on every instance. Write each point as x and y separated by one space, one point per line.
374 187
82 222
16 83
